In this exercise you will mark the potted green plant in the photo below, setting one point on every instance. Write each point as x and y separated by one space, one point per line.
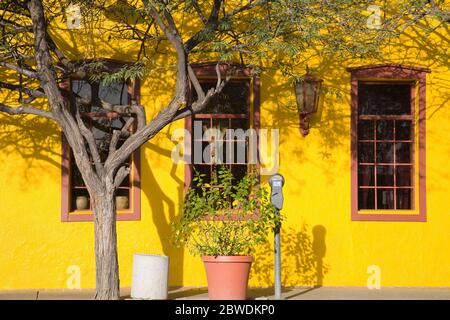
223 221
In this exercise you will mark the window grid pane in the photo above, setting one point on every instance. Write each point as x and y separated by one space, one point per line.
231 147
102 124
229 111
385 161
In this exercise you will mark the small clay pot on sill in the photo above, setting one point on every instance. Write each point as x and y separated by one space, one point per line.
82 203
122 202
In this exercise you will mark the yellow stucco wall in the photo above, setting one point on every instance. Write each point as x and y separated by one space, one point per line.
36 248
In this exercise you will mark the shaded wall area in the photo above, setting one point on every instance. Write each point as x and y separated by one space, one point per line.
303 251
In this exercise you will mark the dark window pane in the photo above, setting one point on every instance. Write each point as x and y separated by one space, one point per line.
81 88
403 152
239 171
403 176
211 152
204 171
103 149
235 152
240 152
404 199
403 130
114 93
385 175
76 178
233 99
365 130
385 152
365 152
385 130
240 124
126 181
199 127
366 175
118 122
385 198
366 199
229 152
100 128
387 99
222 125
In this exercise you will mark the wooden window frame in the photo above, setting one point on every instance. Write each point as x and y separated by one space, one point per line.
207 71
386 73
131 214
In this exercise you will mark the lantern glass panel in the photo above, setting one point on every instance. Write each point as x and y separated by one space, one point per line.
300 96
310 96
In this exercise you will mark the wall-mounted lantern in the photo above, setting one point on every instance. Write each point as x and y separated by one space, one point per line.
307 95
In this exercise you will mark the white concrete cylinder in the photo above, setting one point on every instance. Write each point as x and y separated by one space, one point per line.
150 276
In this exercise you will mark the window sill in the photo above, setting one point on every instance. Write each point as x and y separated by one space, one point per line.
389 215
86 215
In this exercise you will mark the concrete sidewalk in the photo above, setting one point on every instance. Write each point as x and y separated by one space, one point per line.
189 293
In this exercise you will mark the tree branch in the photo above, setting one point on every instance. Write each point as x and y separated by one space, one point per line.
22 71
198 88
199 11
198 105
61 57
139 111
87 134
214 21
171 32
117 134
25 110
167 115
28 91
210 26
250 5
120 175
47 76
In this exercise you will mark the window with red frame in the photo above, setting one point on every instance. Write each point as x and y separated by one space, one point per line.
102 123
229 110
385 146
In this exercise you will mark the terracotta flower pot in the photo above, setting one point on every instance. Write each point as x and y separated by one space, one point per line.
227 276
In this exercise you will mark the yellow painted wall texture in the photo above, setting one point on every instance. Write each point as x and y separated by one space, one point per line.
36 248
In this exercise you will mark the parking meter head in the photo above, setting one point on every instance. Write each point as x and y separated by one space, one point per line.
276 183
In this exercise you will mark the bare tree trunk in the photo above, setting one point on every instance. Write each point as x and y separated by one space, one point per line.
106 259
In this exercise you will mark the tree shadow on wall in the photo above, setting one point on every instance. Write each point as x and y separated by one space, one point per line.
35 140
164 211
302 255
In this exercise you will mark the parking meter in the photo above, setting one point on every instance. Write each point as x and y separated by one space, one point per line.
276 183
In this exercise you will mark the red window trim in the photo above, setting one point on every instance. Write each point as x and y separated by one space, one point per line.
389 72
207 71
133 214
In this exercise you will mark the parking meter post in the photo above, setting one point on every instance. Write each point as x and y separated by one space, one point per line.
276 183
277 248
